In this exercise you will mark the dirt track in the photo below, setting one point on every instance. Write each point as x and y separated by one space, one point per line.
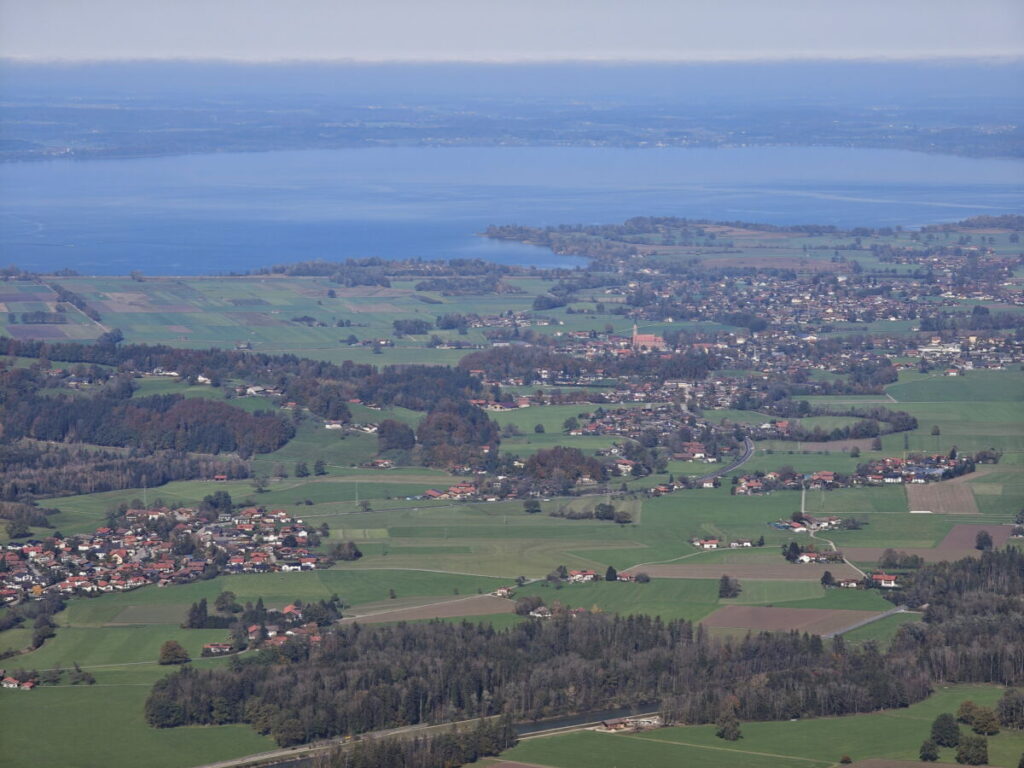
817 621
781 571
475 605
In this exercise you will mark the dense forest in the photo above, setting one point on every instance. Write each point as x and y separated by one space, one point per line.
456 432
111 416
363 679
320 386
31 470
486 737
973 628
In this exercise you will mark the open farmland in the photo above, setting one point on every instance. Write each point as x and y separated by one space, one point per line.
950 497
958 542
962 537
451 608
891 735
780 570
770 619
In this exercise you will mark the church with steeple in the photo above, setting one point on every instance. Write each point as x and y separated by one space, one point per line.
646 341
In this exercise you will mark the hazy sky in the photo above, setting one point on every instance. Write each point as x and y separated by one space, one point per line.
509 30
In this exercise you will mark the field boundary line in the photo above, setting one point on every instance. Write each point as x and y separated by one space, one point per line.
429 570
815 760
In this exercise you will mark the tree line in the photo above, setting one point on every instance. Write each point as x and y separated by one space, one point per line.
362 679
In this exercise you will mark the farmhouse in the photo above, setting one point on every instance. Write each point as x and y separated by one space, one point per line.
216 649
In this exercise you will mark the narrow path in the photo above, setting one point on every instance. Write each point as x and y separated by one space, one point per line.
803 506
816 761
865 622
355 617
672 560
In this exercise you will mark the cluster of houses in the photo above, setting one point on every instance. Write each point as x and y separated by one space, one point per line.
632 724
457 492
808 523
921 469
20 683
144 551
288 625
711 543
892 470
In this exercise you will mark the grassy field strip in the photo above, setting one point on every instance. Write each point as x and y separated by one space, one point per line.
728 749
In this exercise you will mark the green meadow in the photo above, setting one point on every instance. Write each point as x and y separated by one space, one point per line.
423 550
117 637
695 599
818 743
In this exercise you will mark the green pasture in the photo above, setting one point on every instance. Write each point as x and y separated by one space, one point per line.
694 599
821 742
882 631
103 725
972 387
827 423
718 415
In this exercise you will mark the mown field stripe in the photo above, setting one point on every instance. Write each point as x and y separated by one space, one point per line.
816 761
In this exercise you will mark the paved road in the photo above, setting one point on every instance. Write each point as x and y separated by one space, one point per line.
309 750
748 452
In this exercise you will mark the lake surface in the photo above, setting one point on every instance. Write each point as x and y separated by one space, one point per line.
204 214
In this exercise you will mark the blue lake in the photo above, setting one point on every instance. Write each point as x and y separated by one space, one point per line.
218 213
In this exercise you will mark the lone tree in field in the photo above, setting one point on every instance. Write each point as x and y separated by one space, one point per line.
729 587
983 541
172 652
728 725
945 731
929 751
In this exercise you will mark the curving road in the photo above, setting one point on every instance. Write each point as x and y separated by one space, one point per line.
748 452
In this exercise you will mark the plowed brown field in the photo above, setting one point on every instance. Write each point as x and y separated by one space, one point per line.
781 571
817 621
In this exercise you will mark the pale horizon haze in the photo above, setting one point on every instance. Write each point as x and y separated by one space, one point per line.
499 31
